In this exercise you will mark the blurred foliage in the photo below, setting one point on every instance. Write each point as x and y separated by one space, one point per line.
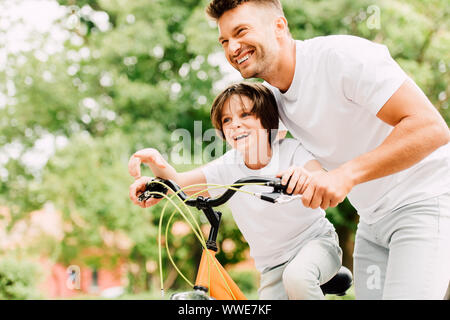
247 280
129 74
18 279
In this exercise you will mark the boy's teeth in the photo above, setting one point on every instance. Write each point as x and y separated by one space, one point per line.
241 136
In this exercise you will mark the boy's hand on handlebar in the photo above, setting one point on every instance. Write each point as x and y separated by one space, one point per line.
148 156
137 188
296 179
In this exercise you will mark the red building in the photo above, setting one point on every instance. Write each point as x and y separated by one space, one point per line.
60 281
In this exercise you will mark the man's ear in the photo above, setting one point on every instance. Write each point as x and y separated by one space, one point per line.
281 26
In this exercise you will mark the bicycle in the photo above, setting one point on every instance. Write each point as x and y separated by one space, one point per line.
211 275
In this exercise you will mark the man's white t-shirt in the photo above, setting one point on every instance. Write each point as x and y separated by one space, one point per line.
340 84
274 232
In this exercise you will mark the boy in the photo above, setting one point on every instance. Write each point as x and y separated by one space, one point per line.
295 248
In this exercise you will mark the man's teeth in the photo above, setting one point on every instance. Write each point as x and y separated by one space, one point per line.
244 58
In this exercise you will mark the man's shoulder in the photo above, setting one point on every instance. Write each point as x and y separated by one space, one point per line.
335 43
333 40
288 145
293 149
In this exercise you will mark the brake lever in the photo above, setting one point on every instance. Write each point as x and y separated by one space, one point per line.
277 197
151 187
284 198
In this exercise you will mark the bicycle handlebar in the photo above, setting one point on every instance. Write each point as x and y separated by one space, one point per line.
276 196
337 285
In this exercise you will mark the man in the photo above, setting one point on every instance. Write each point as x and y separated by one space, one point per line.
383 143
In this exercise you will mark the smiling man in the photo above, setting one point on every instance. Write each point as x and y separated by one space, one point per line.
259 55
383 143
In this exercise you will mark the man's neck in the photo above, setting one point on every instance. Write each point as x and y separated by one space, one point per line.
283 75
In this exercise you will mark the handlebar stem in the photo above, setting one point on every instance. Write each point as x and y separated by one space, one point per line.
214 218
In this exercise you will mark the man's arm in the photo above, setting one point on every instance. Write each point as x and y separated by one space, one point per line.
419 129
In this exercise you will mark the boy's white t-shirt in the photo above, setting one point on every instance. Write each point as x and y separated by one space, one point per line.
274 232
340 84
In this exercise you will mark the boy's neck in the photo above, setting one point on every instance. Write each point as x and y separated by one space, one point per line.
259 159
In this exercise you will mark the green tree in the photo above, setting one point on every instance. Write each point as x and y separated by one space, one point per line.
115 76
18 279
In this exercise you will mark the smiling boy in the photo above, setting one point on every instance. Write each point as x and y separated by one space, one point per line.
296 249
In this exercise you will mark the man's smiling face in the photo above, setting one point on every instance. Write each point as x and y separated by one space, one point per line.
247 36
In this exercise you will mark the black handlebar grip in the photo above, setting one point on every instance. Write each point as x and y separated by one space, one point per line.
280 188
153 186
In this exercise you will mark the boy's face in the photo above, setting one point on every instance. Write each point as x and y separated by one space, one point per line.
247 36
242 129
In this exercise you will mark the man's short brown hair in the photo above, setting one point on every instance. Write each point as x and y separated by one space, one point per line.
217 8
264 105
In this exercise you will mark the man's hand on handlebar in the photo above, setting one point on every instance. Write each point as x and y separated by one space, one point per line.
327 189
296 179
318 188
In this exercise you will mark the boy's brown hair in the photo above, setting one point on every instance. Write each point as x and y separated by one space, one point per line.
217 8
264 105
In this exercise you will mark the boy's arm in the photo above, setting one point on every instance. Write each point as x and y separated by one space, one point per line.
161 169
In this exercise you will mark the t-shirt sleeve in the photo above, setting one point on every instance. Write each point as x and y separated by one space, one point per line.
301 156
366 72
218 172
212 172
281 126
